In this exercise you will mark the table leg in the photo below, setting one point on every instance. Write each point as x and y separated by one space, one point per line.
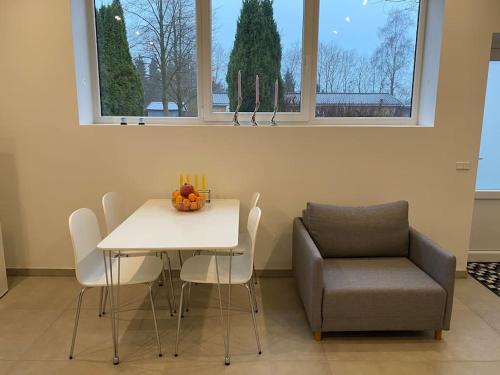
116 358
171 282
165 283
220 301
117 330
227 359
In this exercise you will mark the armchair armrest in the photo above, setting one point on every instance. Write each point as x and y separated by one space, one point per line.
307 264
438 264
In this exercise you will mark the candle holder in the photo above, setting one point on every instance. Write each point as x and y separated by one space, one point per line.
207 193
235 117
273 119
253 120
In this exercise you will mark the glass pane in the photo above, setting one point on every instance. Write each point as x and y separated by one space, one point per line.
258 37
366 57
147 57
488 173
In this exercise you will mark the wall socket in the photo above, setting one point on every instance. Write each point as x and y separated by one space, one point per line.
462 166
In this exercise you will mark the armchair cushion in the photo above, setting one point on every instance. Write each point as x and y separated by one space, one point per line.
350 232
380 294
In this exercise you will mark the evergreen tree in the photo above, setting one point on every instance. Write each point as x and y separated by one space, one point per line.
256 50
120 83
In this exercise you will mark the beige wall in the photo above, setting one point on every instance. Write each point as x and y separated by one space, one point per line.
50 166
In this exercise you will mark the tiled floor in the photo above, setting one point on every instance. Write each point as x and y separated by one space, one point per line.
36 320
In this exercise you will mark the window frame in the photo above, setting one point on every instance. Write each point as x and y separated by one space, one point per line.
306 116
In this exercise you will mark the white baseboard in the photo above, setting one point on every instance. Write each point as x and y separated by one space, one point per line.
484 256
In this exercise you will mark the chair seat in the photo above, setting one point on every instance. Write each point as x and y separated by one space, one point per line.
133 270
366 294
201 269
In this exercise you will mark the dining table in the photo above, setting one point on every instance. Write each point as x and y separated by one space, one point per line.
157 227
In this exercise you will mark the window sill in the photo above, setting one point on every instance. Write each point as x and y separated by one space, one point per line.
488 195
262 125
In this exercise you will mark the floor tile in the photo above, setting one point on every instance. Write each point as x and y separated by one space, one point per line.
20 328
38 339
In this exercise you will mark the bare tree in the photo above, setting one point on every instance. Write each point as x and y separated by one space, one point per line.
292 62
220 59
329 60
165 31
347 70
394 55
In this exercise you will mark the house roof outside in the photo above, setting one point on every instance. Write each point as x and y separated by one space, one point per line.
367 99
158 106
359 99
322 98
220 99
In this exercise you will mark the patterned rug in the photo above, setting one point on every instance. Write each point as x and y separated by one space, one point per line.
487 273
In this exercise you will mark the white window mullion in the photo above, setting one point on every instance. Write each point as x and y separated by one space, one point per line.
311 20
204 26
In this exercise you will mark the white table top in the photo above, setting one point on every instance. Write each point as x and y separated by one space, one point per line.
157 225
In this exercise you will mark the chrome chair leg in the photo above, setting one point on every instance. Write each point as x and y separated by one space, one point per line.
252 308
105 299
254 295
77 318
154 319
166 292
171 282
188 297
161 282
180 258
100 301
254 275
179 321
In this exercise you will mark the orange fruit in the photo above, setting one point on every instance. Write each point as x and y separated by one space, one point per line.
178 206
186 201
192 197
199 199
179 199
194 206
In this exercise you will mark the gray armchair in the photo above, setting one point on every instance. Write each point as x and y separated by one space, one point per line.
365 269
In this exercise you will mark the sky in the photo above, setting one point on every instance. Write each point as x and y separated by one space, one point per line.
352 24
349 23
488 174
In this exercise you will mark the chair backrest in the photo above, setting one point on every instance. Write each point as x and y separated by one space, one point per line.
252 228
114 210
352 232
255 199
85 235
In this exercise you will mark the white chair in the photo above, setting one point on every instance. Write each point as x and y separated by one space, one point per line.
242 238
90 267
115 214
253 203
114 210
202 269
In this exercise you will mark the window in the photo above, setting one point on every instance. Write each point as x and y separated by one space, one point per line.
488 174
241 34
147 57
177 61
366 58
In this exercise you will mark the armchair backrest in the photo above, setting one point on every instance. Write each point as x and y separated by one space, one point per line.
351 232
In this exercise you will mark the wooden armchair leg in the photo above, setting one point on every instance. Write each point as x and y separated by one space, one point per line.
438 334
317 335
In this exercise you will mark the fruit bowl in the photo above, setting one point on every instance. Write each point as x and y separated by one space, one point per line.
187 199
